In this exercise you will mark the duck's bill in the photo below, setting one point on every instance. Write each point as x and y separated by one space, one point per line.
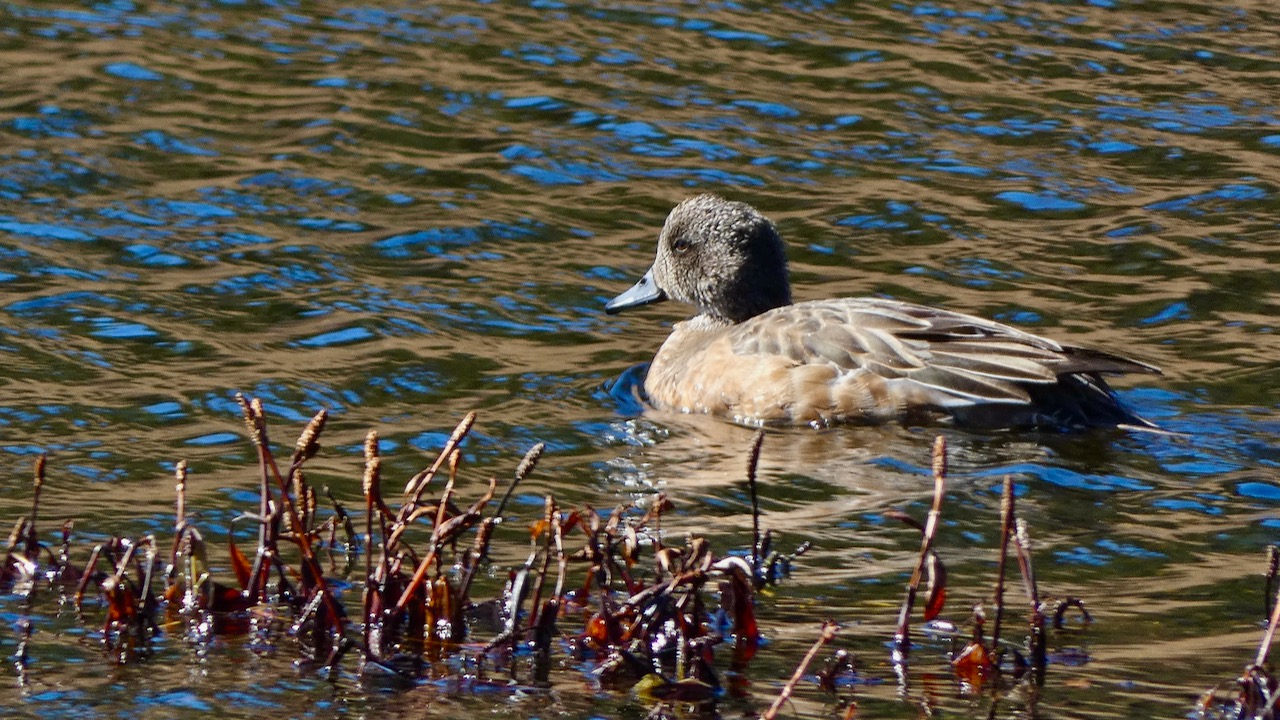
642 293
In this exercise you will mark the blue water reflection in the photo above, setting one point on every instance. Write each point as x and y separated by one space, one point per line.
401 213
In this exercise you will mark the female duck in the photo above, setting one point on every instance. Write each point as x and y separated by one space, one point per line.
752 356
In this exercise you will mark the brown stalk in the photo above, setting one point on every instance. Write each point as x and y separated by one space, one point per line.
1006 533
372 482
411 509
180 480
612 541
526 466
268 534
829 629
1264 648
513 601
478 550
341 517
753 462
1036 616
902 639
418 483
256 420
557 529
307 445
304 497
149 601
256 427
374 583
21 655
86 575
32 543
550 511
662 588
1273 567
1022 536
599 565
308 442
440 535
443 507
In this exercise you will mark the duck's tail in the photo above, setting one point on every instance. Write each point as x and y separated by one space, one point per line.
1084 400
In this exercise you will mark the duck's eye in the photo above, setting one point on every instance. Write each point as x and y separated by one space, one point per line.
681 246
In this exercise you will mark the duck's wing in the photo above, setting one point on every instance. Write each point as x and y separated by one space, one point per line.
921 356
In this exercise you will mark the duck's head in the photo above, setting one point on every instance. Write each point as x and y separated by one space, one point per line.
722 257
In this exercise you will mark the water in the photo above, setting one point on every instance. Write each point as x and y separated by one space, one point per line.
404 212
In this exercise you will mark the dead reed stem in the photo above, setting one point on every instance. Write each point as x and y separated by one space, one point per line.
902 639
1006 534
1264 648
753 463
829 629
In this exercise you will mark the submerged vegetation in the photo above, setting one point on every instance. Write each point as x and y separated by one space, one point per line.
1255 693
391 592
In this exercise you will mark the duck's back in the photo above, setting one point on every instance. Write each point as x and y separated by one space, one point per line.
871 360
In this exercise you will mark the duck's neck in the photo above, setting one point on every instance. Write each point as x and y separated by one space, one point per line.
736 308
704 322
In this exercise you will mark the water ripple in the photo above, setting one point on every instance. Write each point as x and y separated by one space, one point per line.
406 212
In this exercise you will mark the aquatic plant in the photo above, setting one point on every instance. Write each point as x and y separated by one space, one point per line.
1256 691
646 613
673 622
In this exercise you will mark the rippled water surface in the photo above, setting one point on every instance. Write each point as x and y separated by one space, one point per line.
404 211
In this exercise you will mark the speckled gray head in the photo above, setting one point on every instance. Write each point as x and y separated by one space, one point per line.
722 257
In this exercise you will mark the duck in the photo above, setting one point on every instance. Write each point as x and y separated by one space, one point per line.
753 357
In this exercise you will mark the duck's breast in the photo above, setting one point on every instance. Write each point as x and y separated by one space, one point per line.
781 367
697 371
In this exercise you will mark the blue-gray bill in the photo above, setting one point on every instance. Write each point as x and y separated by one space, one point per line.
644 292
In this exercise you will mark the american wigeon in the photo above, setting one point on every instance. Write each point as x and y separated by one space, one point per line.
752 356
